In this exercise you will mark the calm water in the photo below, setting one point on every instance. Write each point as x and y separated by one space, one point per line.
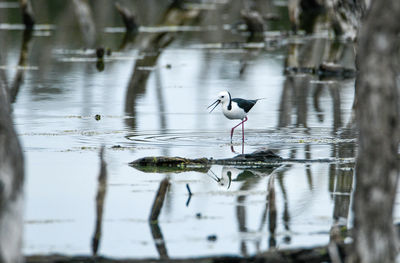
154 102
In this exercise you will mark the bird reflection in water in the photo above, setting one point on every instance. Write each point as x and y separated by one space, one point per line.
231 174
249 179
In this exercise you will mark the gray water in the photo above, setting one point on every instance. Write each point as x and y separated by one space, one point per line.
165 113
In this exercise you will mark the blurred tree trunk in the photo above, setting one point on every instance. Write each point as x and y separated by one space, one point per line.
377 115
11 184
345 16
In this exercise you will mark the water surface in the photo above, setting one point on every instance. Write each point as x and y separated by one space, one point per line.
154 102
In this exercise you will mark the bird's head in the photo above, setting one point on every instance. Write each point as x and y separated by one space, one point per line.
223 97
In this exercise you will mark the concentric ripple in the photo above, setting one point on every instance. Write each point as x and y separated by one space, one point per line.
178 138
258 137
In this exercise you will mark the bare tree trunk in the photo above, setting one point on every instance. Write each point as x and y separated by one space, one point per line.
11 182
377 115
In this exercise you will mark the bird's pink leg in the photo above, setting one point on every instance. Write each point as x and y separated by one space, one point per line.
245 119
243 132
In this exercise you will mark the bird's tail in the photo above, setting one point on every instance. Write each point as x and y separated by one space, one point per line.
260 99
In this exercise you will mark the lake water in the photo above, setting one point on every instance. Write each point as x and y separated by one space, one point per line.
152 100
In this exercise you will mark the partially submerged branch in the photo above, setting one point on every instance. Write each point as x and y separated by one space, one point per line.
100 197
159 200
27 14
23 58
128 18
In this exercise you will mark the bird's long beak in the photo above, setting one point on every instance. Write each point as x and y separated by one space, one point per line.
216 104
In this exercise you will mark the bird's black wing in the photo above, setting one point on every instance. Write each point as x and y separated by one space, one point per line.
245 104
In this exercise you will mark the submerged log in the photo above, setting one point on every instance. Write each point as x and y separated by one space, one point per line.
199 163
324 70
335 70
258 159
168 161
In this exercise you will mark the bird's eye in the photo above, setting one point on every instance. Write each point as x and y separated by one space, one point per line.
222 96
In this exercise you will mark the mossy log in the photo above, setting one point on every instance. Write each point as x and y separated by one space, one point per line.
258 159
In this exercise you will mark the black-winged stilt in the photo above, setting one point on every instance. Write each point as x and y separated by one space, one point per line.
235 108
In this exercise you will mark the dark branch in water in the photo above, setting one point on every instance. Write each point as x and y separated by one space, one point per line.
23 57
27 14
101 193
159 200
188 188
159 240
128 18
190 195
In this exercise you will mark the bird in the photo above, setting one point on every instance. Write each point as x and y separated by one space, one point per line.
234 108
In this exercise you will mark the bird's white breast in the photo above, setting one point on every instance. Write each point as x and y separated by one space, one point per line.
234 113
